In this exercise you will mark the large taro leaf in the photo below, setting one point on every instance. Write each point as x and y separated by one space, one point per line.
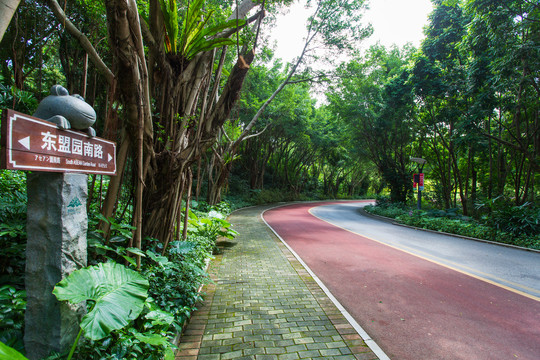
7 353
118 294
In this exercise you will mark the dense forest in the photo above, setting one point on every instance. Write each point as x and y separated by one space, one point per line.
202 111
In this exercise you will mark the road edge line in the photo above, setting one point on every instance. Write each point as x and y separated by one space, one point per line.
363 334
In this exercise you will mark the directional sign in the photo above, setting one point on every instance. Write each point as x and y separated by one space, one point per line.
29 143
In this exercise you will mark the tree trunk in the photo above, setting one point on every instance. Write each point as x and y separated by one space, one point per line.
127 45
7 9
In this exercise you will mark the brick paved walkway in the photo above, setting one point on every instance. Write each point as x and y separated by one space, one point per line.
264 305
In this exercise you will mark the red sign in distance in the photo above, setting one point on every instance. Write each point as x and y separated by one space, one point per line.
418 179
29 143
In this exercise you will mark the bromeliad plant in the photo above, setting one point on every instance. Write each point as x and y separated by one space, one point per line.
196 35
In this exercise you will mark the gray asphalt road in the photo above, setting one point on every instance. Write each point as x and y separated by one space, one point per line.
515 269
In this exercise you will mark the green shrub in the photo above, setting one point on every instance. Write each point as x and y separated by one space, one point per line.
386 211
517 220
138 329
12 307
13 98
12 227
174 282
269 196
517 225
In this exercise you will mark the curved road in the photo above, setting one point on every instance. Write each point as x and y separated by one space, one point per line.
420 295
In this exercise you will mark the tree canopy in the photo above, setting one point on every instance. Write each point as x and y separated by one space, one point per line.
199 106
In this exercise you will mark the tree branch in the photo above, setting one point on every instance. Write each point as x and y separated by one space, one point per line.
225 133
229 32
257 134
83 41
310 79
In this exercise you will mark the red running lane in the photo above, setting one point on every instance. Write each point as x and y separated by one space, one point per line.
411 307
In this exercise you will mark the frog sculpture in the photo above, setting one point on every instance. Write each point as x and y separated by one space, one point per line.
67 111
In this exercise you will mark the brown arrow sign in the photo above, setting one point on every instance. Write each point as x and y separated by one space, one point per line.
29 143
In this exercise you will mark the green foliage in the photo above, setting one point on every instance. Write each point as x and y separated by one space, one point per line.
386 211
340 23
12 257
13 304
196 34
119 232
169 9
374 100
222 207
517 220
269 196
117 295
12 226
8 353
16 99
212 226
448 225
174 282
238 200
147 337
12 307
174 287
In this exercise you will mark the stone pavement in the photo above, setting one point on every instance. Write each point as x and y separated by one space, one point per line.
264 305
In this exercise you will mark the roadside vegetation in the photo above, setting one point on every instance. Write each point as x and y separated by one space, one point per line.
171 278
495 220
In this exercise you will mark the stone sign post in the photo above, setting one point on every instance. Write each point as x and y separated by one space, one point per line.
56 226
57 220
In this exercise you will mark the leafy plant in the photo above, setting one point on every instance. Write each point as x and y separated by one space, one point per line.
212 226
119 232
196 33
16 99
169 9
174 286
12 307
386 210
513 223
147 338
12 226
117 295
517 220
8 353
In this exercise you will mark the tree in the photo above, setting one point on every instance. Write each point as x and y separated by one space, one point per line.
373 99
504 38
180 82
25 43
439 78
334 25
168 66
